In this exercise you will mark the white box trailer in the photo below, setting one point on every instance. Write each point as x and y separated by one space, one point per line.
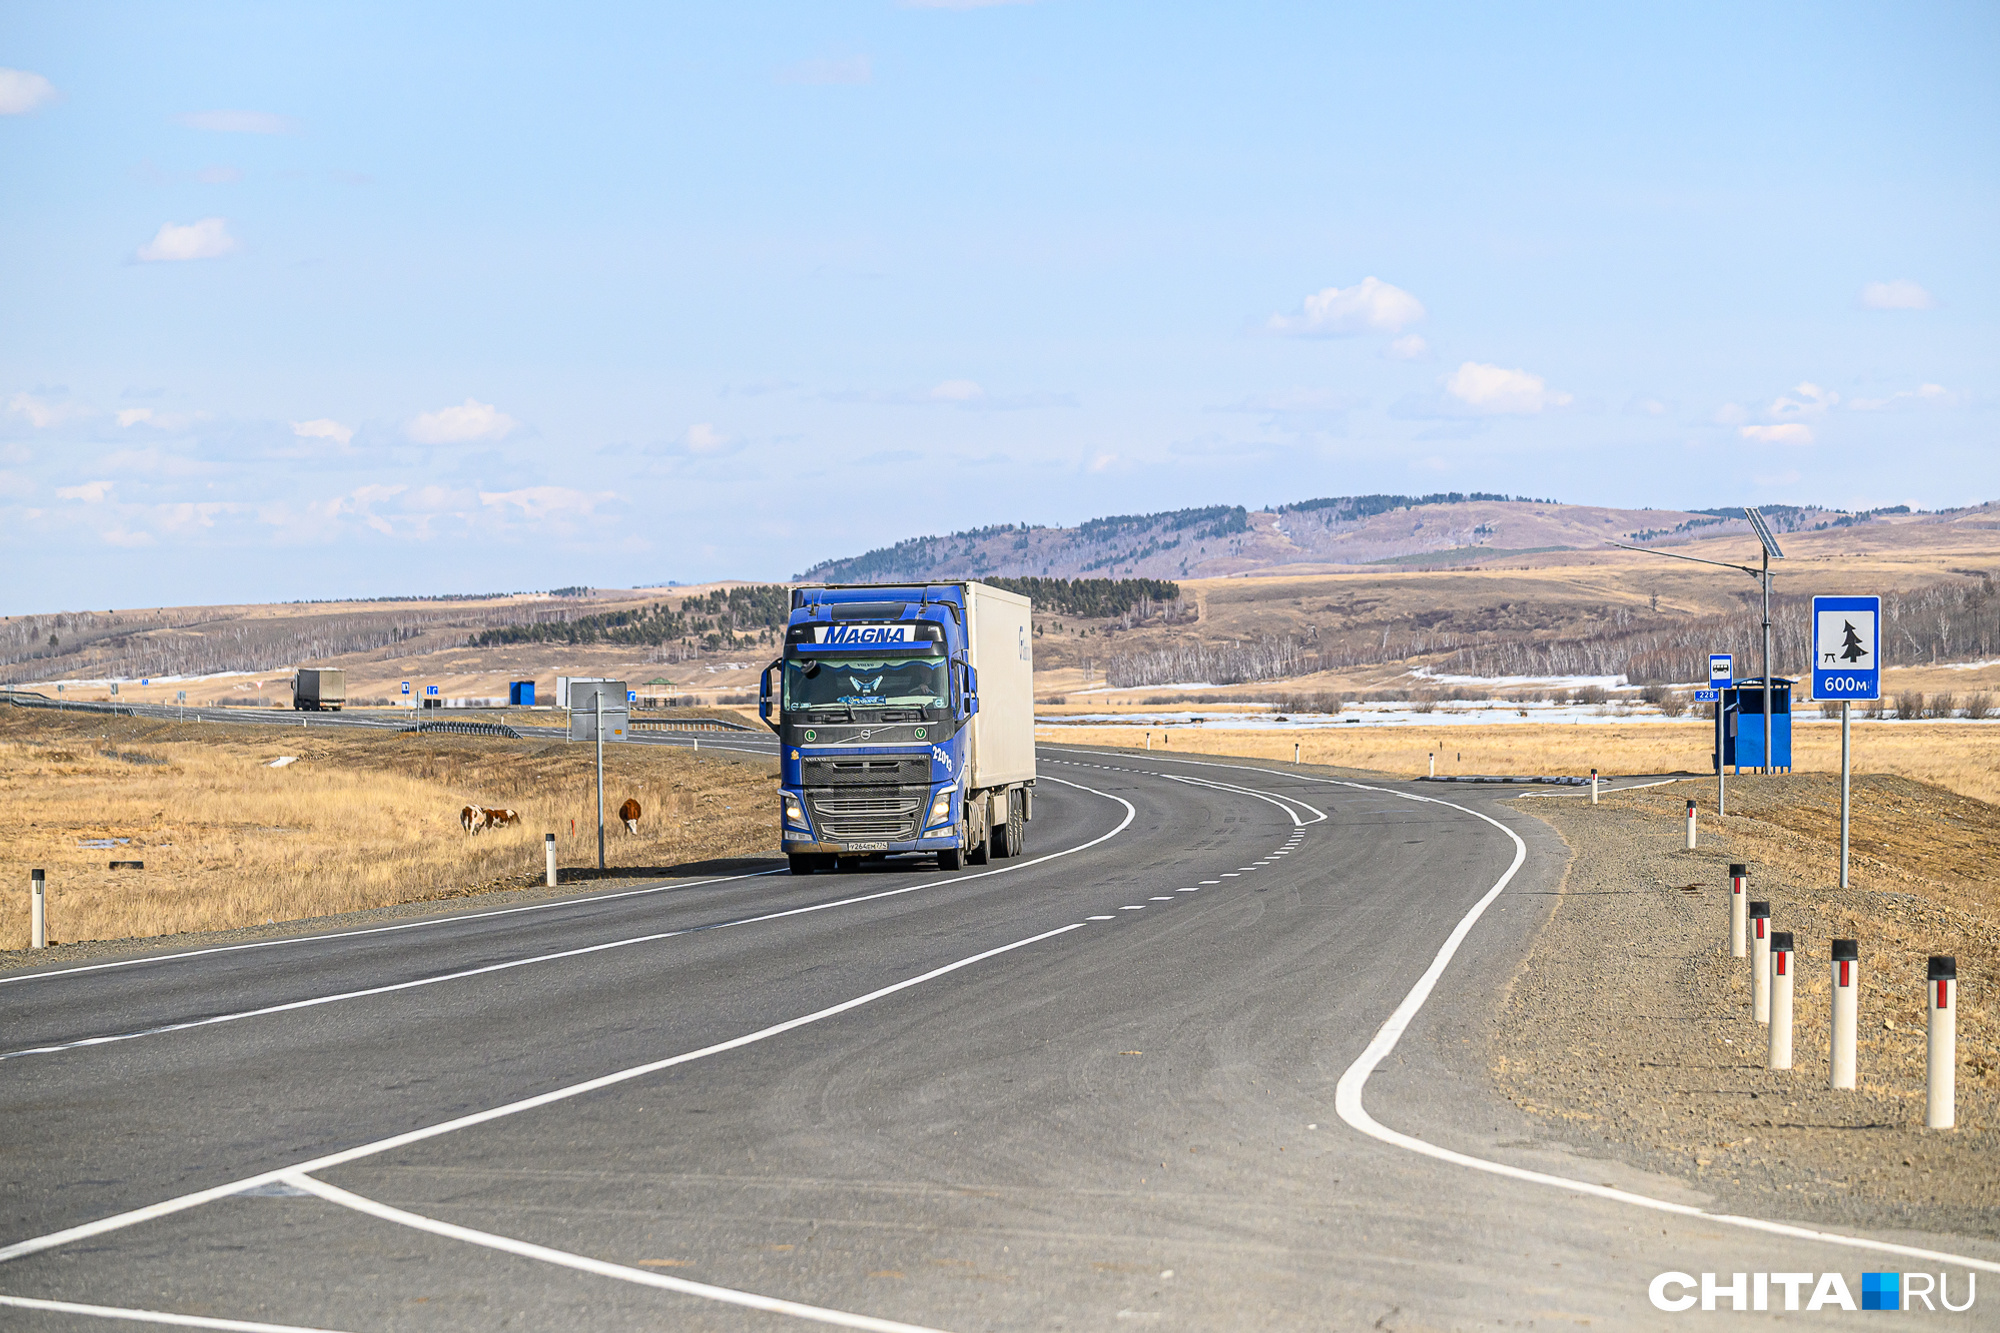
319 690
1000 638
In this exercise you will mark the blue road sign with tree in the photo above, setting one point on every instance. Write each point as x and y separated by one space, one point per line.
1847 648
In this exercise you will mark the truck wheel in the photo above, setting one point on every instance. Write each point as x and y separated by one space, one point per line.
801 863
1017 825
953 859
1001 838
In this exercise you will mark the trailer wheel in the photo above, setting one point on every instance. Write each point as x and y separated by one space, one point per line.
1017 825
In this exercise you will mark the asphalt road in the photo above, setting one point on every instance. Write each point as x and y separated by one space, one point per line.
1091 1087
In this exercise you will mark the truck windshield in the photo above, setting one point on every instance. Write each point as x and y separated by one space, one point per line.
866 682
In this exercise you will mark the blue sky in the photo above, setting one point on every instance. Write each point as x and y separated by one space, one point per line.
304 303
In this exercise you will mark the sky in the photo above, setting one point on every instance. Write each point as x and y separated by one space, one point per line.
315 301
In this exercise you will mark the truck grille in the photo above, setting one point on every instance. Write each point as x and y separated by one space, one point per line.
871 770
877 817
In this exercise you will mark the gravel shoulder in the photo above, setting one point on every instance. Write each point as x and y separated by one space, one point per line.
1627 1030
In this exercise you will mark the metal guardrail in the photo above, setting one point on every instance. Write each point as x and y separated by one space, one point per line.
467 729
31 699
1508 780
687 724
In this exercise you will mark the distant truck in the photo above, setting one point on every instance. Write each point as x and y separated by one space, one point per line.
318 690
906 723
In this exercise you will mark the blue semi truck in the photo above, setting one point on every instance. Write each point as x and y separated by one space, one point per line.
906 724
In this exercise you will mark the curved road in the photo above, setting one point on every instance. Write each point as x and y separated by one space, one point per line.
1092 1087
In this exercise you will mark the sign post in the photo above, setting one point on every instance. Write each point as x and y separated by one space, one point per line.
1721 675
609 710
1846 665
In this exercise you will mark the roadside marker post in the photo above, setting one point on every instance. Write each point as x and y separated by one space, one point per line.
1739 922
1690 826
1721 675
597 699
1846 1011
1760 962
38 936
1434 763
1941 1050
549 854
1781 999
1295 752
1846 665
1593 786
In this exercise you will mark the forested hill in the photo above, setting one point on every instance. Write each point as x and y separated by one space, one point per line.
1452 526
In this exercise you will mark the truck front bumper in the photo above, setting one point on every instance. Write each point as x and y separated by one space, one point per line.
943 840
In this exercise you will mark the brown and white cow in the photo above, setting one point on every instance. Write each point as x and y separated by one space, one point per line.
629 812
473 818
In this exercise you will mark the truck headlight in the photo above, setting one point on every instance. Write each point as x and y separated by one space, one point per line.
794 813
940 808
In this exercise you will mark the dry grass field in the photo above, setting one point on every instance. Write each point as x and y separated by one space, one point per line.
1958 756
358 820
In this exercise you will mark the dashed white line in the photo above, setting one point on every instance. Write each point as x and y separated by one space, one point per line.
1137 908
1160 899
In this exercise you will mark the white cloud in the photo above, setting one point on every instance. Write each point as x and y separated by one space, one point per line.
239 122
1369 306
1646 407
1902 294
1409 347
1103 462
536 503
1790 432
21 91
206 239
1730 414
320 428
132 416
91 492
703 438
1495 390
958 391
1808 400
1923 393
471 420
42 413
829 72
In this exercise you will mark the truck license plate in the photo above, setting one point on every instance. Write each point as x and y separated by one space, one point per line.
865 846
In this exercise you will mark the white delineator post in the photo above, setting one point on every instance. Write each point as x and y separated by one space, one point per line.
1690 825
1846 1010
1593 786
1434 763
549 854
1781 999
38 935
1941 1087
1760 962
1295 752
1739 918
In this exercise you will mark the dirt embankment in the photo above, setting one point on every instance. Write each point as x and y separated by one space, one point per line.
1628 1029
355 820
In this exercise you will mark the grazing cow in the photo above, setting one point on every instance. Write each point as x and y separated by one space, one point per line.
474 818
629 812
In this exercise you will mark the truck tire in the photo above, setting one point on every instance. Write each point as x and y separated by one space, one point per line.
1017 824
952 859
801 863
1005 843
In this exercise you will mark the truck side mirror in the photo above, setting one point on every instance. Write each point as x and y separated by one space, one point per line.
971 691
767 702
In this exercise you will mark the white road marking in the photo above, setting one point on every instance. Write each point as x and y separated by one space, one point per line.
314 1001
1140 908
596 1267
380 930
154 1316
1100 918
1187 890
1163 898
1211 881
1348 1092
1229 874
1284 803
196 1198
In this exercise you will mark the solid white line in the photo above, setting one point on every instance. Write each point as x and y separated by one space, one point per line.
167 1207
1284 803
314 1001
154 1316
1348 1092
379 930
597 1267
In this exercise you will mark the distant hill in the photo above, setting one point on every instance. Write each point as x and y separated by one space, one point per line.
1450 527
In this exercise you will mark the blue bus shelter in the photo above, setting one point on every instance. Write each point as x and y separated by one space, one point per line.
1743 725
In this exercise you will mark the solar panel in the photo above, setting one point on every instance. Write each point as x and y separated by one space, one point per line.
1763 531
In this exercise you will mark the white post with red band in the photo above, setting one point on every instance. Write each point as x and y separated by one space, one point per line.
1846 1010
38 935
549 854
1739 918
1781 999
1690 825
1941 1099
1593 786
1760 962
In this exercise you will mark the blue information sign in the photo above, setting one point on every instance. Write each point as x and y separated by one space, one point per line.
406 687
1721 670
1847 648
430 689
1708 696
